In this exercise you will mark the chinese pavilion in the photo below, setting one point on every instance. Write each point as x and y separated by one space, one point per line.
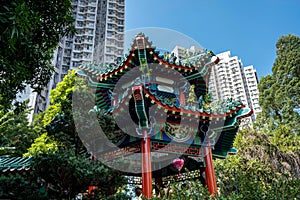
164 111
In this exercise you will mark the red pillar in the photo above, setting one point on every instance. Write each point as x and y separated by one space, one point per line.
209 171
146 166
182 98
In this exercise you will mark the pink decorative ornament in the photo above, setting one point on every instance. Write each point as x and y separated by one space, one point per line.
178 163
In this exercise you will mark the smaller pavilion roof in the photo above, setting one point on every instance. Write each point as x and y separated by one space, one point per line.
14 165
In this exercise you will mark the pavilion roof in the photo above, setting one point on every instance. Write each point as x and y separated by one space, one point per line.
14 165
141 49
103 79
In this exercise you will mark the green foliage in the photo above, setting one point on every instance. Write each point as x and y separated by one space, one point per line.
18 186
279 92
284 140
275 148
70 174
118 196
42 145
58 118
260 170
29 34
60 98
187 190
16 134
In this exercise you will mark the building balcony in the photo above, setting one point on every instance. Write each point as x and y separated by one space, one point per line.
77 50
120 3
67 55
86 59
92 4
111 53
77 26
87 50
76 58
87 33
88 41
66 64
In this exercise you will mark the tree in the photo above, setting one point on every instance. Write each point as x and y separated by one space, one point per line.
18 186
16 134
71 169
279 92
260 170
42 145
29 33
61 98
58 118
70 174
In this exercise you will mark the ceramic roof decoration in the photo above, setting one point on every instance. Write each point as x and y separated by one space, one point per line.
146 84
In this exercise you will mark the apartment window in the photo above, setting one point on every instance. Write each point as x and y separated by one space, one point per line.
65 68
93 3
88 47
90 39
79 24
66 60
79 17
110 42
109 34
120 29
68 44
120 37
87 55
107 58
75 64
120 22
77 47
91 16
120 44
76 55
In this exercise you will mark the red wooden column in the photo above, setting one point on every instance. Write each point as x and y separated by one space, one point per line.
209 171
146 166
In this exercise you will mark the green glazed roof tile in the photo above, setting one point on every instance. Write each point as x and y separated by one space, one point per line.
14 164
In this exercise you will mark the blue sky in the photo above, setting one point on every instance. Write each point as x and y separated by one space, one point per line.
249 29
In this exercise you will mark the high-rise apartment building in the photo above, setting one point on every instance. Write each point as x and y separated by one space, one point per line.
229 79
251 80
226 80
99 39
100 33
109 33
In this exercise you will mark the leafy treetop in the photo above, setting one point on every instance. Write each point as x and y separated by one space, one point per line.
29 33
